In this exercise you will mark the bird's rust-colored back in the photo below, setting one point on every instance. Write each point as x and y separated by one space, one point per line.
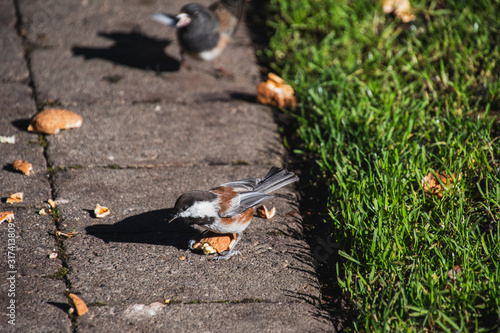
229 13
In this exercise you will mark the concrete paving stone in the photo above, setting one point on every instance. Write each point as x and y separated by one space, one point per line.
17 108
169 134
12 64
135 245
124 56
104 82
7 14
41 306
141 270
34 242
141 200
241 317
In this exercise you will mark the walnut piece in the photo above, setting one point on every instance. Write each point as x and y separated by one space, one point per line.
211 242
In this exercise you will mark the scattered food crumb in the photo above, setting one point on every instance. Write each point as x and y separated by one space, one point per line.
101 211
275 92
267 214
434 186
182 258
211 242
51 121
401 9
8 139
52 203
15 198
66 234
42 212
6 216
78 304
23 166
53 255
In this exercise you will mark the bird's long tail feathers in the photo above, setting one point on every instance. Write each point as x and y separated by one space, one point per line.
275 179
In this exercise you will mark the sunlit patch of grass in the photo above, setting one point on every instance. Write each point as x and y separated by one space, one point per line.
382 104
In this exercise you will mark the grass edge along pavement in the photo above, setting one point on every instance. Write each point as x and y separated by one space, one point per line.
383 104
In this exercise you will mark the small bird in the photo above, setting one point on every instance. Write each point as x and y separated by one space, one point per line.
229 208
204 32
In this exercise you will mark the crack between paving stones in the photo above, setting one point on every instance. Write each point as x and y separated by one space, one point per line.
42 140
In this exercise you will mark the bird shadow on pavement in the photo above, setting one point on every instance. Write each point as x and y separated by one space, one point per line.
150 228
132 49
21 124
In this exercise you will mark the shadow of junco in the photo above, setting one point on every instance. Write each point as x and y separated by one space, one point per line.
203 32
229 208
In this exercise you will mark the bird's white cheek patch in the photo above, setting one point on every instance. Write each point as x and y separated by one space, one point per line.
200 210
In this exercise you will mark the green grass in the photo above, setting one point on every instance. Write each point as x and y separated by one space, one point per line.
382 104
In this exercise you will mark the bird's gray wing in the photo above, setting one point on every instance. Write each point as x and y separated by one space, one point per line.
244 185
247 200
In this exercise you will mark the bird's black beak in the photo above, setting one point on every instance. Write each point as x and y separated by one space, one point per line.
173 218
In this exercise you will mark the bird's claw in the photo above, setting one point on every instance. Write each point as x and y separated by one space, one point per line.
227 255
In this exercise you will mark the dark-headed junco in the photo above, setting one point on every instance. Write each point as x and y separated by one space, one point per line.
204 32
229 208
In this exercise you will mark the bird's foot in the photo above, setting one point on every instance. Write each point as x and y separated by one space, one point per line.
227 255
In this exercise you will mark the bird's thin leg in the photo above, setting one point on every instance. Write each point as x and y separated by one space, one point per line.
222 71
183 61
231 251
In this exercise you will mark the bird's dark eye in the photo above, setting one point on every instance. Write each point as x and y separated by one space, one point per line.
195 13
184 208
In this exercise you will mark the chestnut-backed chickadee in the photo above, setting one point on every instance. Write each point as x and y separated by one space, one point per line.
228 208
204 32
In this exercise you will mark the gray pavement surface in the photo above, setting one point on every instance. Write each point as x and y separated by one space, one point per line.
151 131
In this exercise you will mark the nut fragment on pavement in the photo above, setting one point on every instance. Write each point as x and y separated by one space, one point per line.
275 92
23 166
267 214
78 304
52 203
15 198
6 216
211 242
66 234
51 121
101 211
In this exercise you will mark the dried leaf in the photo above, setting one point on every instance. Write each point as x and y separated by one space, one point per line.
79 304
23 166
15 198
211 242
401 8
6 216
101 211
267 214
50 121
276 92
